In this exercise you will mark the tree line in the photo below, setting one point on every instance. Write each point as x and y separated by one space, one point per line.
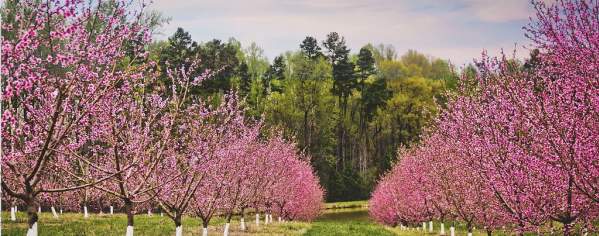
350 112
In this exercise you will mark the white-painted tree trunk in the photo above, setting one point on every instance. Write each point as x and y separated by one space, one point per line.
442 229
204 231
61 211
85 213
424 226
451 231
266 219
280 219
111 210
257 219
226 233
430 226
242 224
39 209
161 214
33 230
16 209
54 212
13 214
149 212
179 230
469 234
129 230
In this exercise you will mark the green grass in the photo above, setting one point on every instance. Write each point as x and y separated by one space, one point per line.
347 218
75 224
343 205
346 222
343 218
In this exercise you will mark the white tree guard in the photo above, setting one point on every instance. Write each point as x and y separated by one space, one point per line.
204 231
129 230
442 229
430 226
452 231
242 224
13 214
179 230
111 210
257 219
32 231
226 233
54 212
85 213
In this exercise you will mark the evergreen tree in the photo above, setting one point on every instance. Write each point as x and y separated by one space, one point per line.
310 48
245 83
343 83
220 58
276 71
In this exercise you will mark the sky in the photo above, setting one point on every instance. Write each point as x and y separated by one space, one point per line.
457 30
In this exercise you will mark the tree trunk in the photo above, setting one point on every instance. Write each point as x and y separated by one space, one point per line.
205 227
178 225
129 211
242 220
306 137
469 226
13 213
430 226
442 228
54 212
228 223
33 218
85 213
489 232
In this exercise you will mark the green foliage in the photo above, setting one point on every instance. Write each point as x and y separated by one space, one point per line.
310 48
350 112
220 58
245 79
276 74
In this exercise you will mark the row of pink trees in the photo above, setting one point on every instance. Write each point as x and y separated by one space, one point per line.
516 146
86 121
61 61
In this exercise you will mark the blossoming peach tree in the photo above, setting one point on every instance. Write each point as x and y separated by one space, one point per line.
515 146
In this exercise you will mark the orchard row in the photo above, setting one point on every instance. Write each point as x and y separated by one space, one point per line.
516 148
87 122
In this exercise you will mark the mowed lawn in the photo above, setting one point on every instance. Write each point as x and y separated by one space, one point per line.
346 222
71 224
341 218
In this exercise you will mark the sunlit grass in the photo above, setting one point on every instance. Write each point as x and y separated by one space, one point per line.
350 204
75 224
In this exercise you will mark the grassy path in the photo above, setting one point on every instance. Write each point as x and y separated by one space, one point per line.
346 222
